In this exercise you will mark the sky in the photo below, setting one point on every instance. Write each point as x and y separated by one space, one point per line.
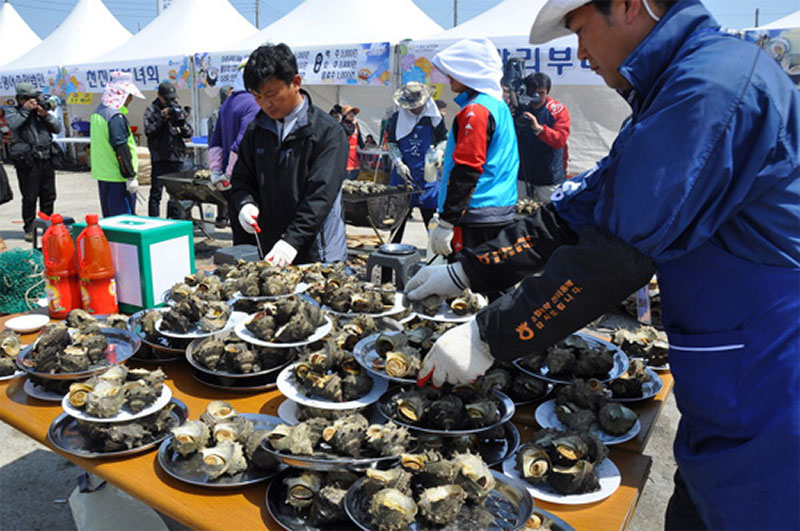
43 16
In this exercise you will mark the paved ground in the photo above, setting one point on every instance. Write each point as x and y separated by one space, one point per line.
35 482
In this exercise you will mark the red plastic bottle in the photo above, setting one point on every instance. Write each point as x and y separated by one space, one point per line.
96 270
60 269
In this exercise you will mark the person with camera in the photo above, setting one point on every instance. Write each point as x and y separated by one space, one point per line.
166 127
114 159
542 125
32 150
478 191
287 181
417 138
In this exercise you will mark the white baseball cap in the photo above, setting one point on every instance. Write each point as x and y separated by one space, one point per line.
549 23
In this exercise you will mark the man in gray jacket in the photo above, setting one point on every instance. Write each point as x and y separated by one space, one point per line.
32 128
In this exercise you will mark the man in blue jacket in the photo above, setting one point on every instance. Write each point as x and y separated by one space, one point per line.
702 185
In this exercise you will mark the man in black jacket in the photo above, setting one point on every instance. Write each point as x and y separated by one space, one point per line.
33 128
287 181
166 125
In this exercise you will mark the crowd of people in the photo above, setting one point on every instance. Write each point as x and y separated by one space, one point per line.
702 186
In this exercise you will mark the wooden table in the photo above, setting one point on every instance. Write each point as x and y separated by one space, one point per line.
245 507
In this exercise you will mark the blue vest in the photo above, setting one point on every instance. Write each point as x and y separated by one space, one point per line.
495 196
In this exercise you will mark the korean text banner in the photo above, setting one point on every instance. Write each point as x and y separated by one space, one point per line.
350 64
43 79
146 74
558 59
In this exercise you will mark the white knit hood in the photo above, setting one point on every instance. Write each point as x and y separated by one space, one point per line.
475 63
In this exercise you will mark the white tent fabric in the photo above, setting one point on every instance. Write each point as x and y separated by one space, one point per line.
596 111
327 22
792 20
188 26
88 31
510 18
16 37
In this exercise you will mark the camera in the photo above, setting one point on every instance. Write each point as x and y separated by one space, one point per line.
176 114
520 100
48 103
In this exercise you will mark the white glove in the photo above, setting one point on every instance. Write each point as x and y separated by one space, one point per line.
282 254
220 181
248 218
444 280
402 170
458 357
132 185
439 153
441 237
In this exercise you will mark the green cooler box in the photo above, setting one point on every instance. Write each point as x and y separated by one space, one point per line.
150 255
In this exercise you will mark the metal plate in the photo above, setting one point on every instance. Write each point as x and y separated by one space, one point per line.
509 502
285 514
446 315
124 414
650 388
546 417
607 473
40 393
165 350
125 345
233 375
64 435
194 332
12 375
506 412
397 249
171 461
556 523
289 387
400 304
364 353
248 336
621 361
257 385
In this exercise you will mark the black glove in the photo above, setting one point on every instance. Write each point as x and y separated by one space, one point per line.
579 284
519 250
123 152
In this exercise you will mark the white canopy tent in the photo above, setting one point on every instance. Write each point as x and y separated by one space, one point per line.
319 23
187 26
88 31
16 37
595 110
792 20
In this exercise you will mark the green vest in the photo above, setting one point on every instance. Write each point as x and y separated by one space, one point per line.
105 166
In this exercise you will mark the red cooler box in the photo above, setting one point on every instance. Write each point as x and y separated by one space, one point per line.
150 255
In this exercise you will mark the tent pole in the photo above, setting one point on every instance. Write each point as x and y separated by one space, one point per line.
455 13
195 109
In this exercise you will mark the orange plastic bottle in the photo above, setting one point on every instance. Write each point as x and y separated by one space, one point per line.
60 269
96 270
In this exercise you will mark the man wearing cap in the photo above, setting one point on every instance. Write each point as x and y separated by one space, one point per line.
32 129
166 125
354 140
478 192
415 129
287 181
701 185
114 160
239 109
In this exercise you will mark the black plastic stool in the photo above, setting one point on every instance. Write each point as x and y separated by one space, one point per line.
397 257
39 223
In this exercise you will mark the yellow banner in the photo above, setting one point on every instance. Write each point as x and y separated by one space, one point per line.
80 98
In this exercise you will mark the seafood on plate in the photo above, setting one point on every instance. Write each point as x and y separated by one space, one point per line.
105 394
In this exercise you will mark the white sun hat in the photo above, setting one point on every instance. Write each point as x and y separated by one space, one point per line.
549 23
117 90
